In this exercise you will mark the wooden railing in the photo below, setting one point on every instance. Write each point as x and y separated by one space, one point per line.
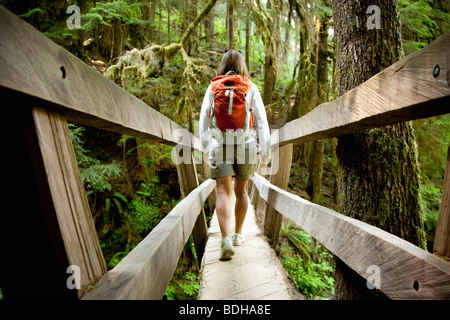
146 271
48 86
415 87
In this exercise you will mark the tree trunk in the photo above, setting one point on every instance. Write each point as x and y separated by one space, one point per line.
168 22
287 35
247 40
317 152
378 169
300 108
190 13
210 30
152 20
271 52
118 43
83 4
230 24
269 79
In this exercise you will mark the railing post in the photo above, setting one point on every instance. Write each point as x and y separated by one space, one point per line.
207 175
50 212
187 177
442 237
69 197
280 178
253 192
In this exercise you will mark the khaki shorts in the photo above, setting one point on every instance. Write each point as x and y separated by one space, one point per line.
234 160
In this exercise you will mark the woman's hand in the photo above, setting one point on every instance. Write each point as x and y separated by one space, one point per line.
264 161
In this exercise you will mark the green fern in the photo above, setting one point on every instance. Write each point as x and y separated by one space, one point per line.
310 265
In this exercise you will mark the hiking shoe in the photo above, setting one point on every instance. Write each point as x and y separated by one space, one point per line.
227 249
238 239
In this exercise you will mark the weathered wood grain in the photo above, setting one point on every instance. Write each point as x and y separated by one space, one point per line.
34 259
279 178
68 197
34 65
442 237
406 271
188 180
405 91
146 271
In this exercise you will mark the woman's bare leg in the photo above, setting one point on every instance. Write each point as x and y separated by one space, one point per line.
240 210
223 205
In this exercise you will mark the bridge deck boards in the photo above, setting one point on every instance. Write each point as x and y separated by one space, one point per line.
254 273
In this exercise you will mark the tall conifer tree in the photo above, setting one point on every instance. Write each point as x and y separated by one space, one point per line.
378 169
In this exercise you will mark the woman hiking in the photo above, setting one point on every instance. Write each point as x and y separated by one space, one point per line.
233 129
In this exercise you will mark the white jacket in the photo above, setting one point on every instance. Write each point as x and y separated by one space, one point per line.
261 130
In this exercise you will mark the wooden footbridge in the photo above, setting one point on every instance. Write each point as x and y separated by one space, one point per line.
43 86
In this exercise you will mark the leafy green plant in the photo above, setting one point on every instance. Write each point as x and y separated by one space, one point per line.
125 207
141 218
431 199
94 174
421 23
309 264
97 178
150 190
183 287
433 136
105 12
116 258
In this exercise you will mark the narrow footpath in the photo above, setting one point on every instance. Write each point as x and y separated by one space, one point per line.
254 273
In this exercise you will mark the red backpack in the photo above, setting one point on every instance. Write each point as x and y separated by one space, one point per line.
230 111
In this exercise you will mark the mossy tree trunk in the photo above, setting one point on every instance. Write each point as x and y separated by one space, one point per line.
210 30
118 38
152 20
300 108
190 13
317 148
230 23
271 53
248 28
378 169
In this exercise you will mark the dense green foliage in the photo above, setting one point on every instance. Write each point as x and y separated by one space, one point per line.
433 138
422 22
309 264
125 207
131 184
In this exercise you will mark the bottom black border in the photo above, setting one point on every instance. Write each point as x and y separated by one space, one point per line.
231 309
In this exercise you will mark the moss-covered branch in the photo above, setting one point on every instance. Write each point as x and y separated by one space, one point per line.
199 18
173 48
136 67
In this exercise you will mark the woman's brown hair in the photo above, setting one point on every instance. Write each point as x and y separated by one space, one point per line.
233 60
